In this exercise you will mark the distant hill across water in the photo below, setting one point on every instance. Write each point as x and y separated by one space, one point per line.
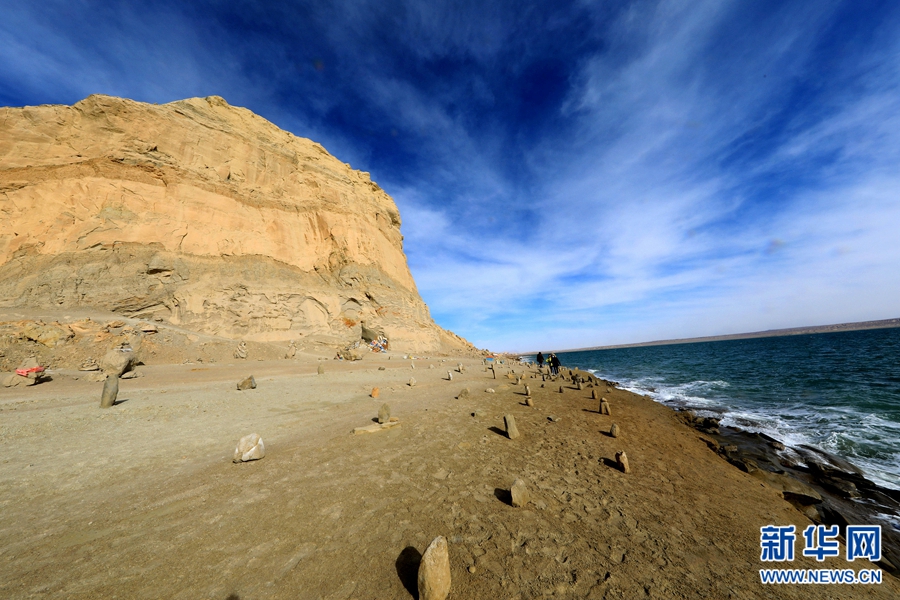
882 324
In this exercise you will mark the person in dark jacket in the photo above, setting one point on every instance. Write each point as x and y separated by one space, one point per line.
540 360
554 364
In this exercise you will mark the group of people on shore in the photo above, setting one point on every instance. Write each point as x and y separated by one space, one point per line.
552 362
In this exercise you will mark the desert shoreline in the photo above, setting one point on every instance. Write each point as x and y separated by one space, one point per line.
142 500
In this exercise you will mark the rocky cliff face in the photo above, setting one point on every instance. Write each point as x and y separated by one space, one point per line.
204 215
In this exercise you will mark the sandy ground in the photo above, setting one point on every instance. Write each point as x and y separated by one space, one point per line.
142 500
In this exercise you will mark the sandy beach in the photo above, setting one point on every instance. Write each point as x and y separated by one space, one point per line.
142 500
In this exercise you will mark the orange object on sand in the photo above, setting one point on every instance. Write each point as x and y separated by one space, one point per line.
374 393
25 372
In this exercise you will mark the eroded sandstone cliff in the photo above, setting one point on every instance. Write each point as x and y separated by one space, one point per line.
204 215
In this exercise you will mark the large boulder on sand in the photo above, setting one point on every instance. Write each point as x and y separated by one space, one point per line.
48 335
117 361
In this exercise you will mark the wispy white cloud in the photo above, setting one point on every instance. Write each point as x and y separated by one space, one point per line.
649 229
709 167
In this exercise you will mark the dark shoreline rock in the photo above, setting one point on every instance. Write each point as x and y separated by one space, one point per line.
826 488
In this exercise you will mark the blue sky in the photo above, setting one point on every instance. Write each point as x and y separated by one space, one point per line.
569 174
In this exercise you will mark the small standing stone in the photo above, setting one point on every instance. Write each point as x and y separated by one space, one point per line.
593 394
430 366
412 366
614 430
580 386
622 462
321 369
529 401
250 447
494 373
412 382
434 571
519 493
375 392
464 393
561 389
459 367
527 390
110 391
604 407
449 375
384 413
247 384
512 432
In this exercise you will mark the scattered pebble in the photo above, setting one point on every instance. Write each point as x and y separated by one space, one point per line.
250 447
247 384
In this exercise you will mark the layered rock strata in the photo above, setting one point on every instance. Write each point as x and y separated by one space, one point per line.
206 216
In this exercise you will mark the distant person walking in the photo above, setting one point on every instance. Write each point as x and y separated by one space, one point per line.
540 360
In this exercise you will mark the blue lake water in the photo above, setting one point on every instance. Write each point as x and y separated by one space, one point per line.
837 391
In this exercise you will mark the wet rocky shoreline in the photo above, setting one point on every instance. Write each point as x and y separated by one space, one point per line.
826 488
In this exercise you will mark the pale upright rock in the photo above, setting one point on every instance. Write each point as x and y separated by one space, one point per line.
512 432
604 407
247 384
110 391
449 375
614 430
519 493
464 393
384 413
412 382
321 369
434 571
622 462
